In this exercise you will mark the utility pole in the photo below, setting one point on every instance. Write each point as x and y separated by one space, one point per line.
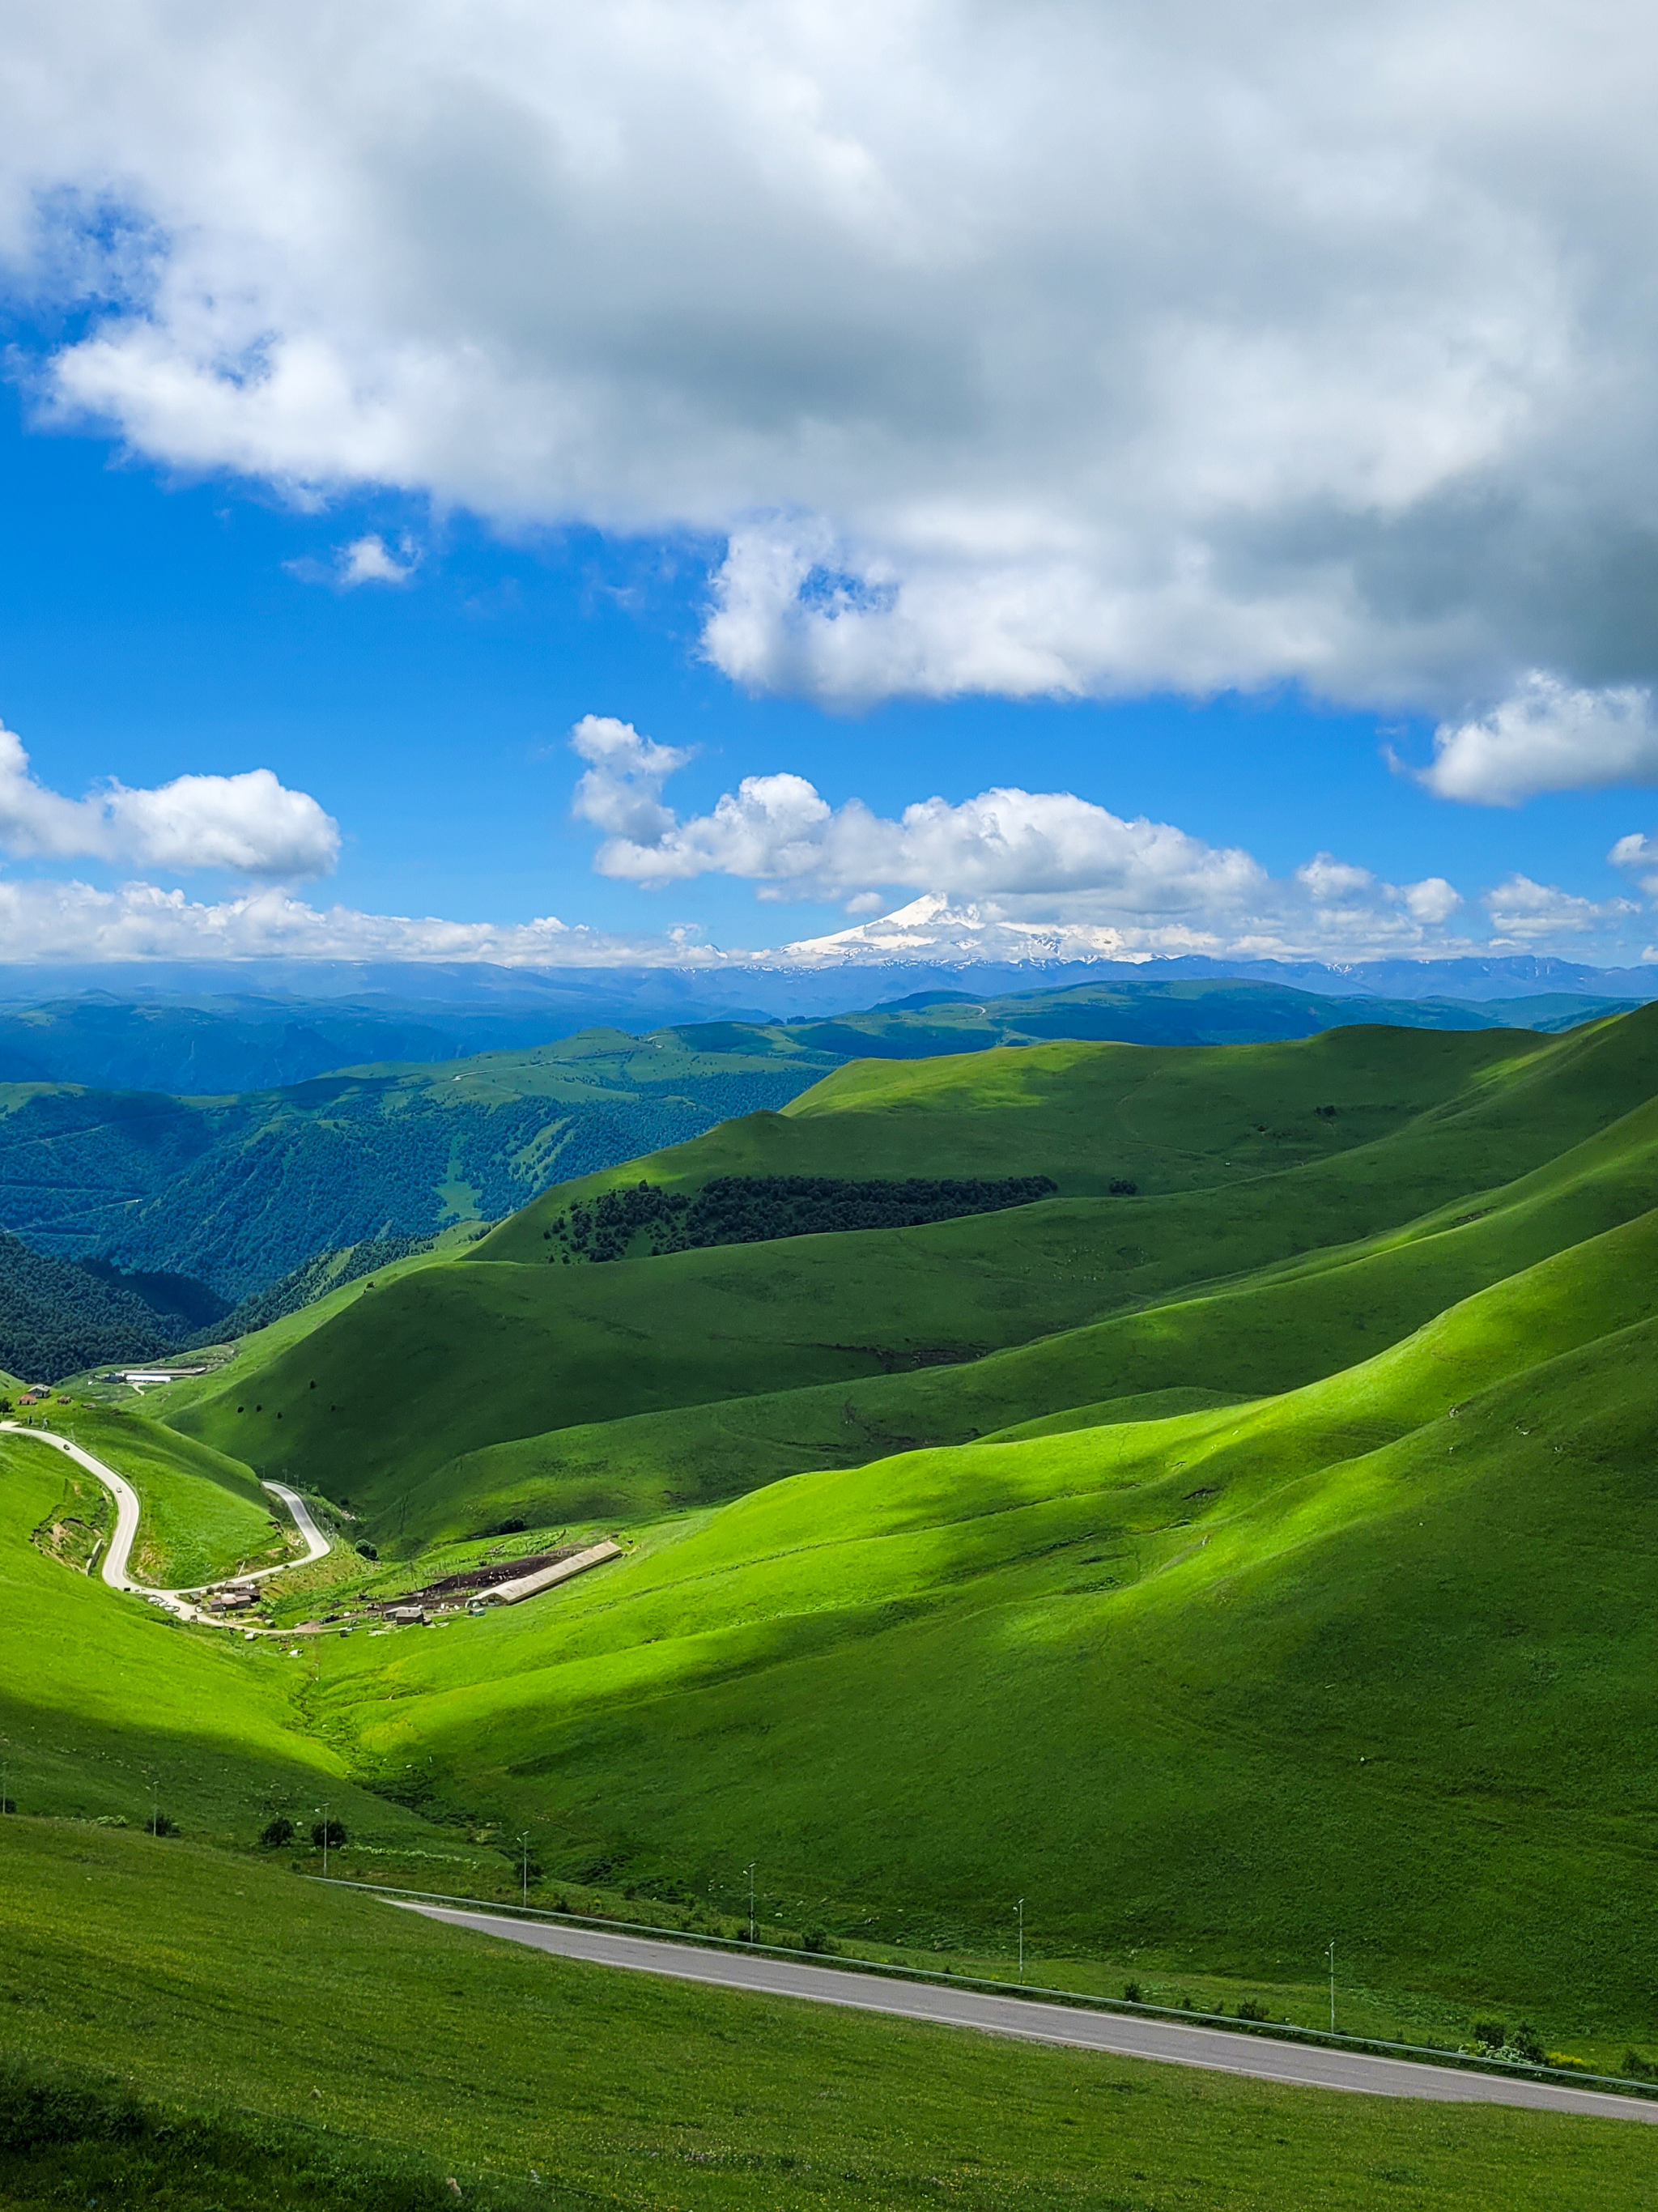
1332 1948
324 1842
748 1870
1021 1912
524 1844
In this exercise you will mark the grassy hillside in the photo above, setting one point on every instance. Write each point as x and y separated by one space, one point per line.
203 1516
1257 1168
382 2054
1362 1660
233 1191
109 1710
1258 1560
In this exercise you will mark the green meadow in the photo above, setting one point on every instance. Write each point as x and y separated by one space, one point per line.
268 2027
1257 1558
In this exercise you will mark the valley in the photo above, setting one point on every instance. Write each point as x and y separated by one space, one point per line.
1231 1539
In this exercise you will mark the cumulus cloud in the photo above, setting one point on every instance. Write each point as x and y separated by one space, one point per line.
1064 350
1007 860
779 831
1523 911
1333 884
250 824
1547 736
622 791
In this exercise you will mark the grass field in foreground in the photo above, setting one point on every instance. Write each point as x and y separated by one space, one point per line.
211 1982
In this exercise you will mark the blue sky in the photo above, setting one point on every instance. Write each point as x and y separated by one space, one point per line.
151 625
181 500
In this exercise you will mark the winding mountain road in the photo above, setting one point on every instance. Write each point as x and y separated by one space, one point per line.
127 1510
1122 2035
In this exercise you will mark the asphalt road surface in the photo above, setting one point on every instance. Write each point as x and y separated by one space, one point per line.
119 1551
1122 2035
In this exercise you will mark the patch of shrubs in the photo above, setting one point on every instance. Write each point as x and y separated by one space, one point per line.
1131 1993
1251 2009
1637 2069
277 1832
760 1209
330 1831
1521 2045
367 1551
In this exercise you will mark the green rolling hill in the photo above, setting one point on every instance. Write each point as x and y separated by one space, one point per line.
200 1218
1255 1169
1254 1557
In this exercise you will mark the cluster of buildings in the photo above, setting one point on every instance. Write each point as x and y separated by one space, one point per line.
232 1597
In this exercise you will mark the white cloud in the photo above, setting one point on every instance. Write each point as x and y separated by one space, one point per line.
1000 866
250 824
622 791
1522 911
1638 856
370 561
75 922
1333 884
1432 901
1072 349
779 830
1547 736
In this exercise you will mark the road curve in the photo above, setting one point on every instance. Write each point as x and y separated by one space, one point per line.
1122 2035
127 1508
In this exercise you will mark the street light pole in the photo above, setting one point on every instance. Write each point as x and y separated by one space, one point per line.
750 1871
524 1895
1332 1948
1021 1911
324 1842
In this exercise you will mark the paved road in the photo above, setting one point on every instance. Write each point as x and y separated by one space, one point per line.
1121 2034
119 1551
317 1546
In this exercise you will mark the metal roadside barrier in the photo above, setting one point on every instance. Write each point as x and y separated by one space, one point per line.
1273 2030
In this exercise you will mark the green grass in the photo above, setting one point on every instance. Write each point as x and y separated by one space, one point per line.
203 1514
1451 1160
408 2045
859 1675
500 1348
107 1706
1280 1571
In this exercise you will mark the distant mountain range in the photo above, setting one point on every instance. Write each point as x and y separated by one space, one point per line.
210 1030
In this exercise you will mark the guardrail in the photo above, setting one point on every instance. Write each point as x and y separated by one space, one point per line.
1273 2031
